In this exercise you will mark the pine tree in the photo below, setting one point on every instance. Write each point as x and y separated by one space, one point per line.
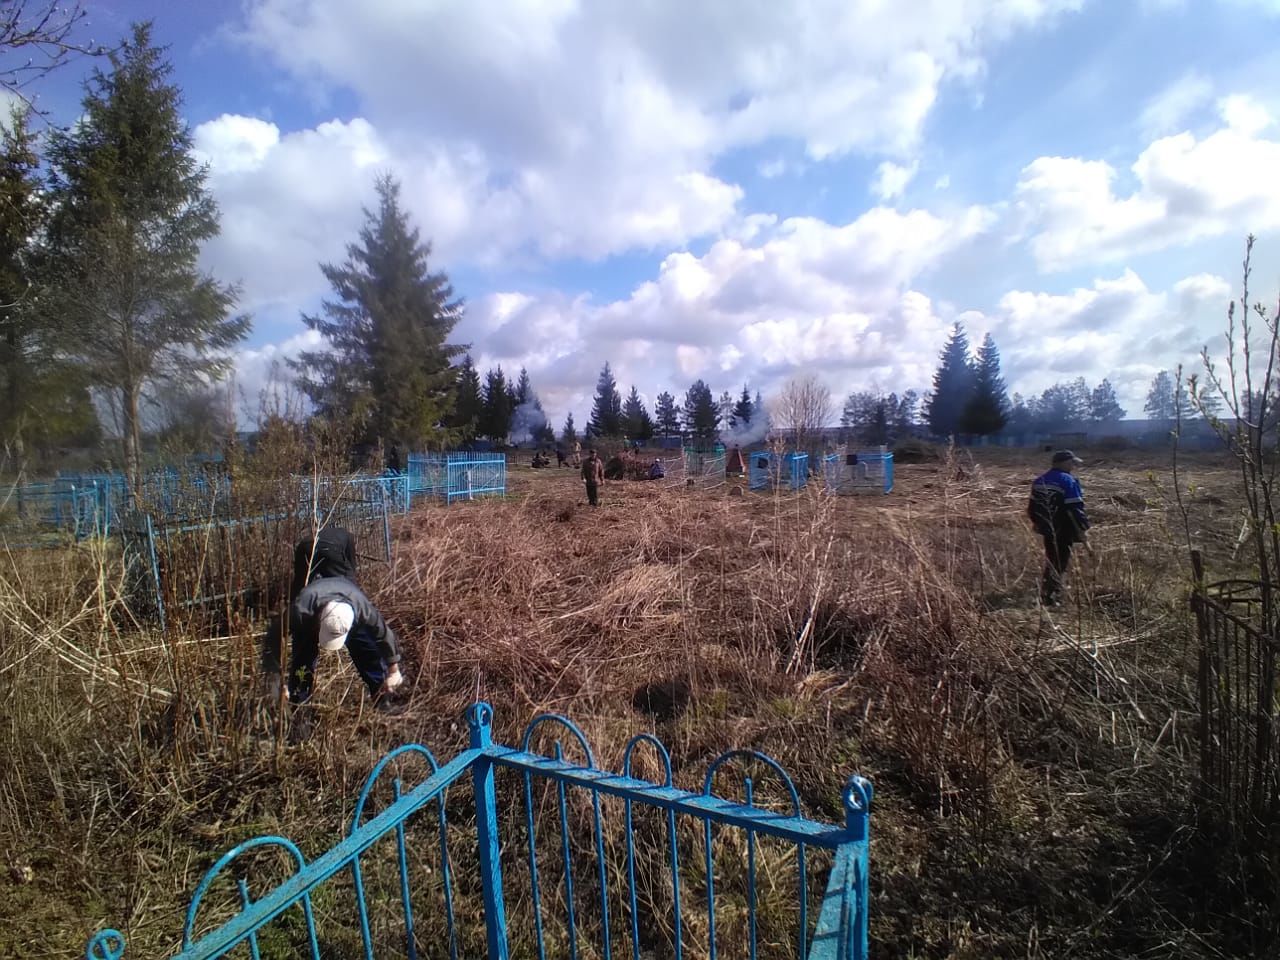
701 415
495 417
667 415
904 412
744 409
522 392
636 422
952 386
1208 402
43 400
725 407
469 405
131 213
606 412
389 363
1162 402
569 435
1103 406
985 413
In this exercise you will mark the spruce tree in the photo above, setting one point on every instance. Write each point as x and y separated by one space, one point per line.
569 435
1103 406
389 362
131 213
469 405
986 411
1160 403
667 415
701 415
636 421
522 393
744 410
952 386
606 412
43 400
497 408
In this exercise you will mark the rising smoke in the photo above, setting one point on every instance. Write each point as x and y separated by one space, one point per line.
526 421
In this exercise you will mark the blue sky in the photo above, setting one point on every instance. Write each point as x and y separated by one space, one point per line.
746 190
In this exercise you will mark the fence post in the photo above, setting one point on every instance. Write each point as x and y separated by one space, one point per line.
479 719
1202 637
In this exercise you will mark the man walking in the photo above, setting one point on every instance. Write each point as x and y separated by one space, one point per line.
593 476
1057 511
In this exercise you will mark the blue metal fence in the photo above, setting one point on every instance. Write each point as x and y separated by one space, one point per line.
766 470
39 514
460 475
221 560
391 487
859 472
602 914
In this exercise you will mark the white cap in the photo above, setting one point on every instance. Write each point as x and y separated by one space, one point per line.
336 618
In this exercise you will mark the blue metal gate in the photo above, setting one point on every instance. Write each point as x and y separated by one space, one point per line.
596 920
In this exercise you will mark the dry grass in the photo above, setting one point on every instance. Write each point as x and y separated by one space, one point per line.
1032 771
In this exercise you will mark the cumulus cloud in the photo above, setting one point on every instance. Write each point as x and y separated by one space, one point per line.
804 295
565 129
261 378
1186 189
1115 328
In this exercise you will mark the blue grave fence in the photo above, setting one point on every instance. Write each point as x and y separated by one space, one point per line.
43 514
392 487
595 896
459 475
201 565
847 473
767 471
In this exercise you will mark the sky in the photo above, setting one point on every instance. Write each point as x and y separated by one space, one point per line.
746 190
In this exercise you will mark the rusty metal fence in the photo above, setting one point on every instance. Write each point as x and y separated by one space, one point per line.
1239 697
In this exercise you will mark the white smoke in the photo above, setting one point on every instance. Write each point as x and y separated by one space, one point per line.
526 420
746 434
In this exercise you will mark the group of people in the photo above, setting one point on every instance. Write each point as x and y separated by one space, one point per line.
328 613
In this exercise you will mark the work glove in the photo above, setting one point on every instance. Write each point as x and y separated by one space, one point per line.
393 681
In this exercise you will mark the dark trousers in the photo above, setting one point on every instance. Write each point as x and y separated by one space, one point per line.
593 495
1057 555
364 655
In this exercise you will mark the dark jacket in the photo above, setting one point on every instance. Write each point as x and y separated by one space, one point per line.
334 555
304 615
1057 507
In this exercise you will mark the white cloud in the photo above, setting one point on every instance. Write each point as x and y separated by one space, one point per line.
1169 109
943 182
804 295
261 377
891 179
564 129
1116 328
1186 189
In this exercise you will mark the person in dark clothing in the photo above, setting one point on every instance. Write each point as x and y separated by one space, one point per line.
1057 511
394 464
330 552
593 476
332 613
561 459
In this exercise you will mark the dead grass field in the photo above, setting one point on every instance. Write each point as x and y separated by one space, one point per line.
1033 769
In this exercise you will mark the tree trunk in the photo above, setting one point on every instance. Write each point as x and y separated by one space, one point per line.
132 438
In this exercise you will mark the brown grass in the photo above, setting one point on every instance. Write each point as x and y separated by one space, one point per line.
1032 771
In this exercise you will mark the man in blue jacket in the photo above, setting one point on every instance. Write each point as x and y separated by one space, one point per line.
1057 512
